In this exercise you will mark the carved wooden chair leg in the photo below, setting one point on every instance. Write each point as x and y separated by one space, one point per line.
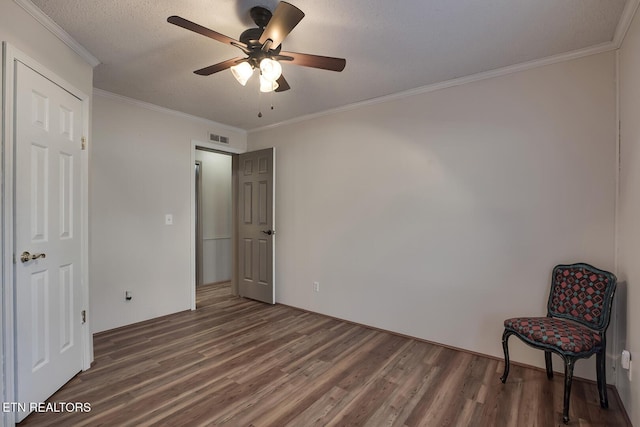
602 380
568 377
548 364
505 348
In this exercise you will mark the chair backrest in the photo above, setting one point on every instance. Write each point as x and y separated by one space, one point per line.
582 293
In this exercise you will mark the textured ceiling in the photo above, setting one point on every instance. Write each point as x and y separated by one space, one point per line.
390 47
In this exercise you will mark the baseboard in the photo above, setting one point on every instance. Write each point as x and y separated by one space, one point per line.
219 282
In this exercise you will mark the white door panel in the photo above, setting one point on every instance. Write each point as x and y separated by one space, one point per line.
48 295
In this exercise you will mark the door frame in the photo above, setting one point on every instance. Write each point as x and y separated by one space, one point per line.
11 55
233 152
198 221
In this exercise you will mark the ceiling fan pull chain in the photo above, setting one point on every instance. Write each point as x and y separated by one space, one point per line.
259 102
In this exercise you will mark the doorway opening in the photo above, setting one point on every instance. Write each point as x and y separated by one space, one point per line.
251 240
213 218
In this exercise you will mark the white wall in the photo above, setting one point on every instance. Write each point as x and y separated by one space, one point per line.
441 214
216 216
629 215
141 170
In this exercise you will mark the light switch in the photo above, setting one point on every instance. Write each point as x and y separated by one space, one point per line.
168 219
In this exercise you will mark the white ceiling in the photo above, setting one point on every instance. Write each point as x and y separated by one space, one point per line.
390 47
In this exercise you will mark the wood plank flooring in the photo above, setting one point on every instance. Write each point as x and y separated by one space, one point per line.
236 362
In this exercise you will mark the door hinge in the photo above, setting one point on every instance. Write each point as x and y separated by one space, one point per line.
84 143
83 315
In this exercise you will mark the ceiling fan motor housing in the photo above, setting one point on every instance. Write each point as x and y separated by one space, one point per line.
261 16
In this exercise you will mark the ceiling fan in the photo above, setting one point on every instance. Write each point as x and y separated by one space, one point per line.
262 46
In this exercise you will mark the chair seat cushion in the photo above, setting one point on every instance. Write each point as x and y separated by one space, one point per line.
550 332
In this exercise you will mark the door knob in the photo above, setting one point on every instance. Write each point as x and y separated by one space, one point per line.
268 232
26 256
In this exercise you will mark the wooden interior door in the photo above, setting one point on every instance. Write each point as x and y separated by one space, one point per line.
256 233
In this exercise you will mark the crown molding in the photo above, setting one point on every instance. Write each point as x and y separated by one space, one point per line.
511 69
46 22
625 21
157 108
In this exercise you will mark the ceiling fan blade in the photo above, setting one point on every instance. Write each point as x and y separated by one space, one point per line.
196 28
313 61
207 71
284 19
282 84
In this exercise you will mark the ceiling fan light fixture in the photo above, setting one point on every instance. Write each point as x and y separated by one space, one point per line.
242 72
262 47
270 69
266 85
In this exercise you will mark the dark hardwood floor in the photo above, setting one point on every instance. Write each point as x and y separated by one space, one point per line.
236 362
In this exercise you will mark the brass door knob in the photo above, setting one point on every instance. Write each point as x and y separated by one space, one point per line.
26 256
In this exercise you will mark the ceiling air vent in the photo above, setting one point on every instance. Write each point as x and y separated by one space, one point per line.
218 138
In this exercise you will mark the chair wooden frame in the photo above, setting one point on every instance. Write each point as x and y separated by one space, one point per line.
570 357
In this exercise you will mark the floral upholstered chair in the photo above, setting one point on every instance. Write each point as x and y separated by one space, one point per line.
578 314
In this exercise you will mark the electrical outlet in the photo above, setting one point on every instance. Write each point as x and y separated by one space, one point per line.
625 360
168 219
316 286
